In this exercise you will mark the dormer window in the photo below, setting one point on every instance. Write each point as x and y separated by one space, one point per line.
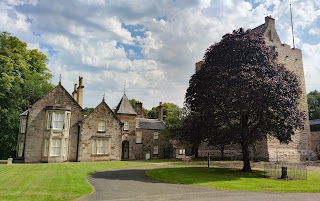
102 126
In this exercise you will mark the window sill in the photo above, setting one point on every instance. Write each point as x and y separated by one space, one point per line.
97 155
101 131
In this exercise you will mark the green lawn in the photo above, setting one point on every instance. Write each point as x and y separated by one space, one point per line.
234 179
64 181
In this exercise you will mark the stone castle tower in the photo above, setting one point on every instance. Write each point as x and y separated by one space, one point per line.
300 148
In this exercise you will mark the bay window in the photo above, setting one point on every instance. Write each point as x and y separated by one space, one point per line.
55 147
58 120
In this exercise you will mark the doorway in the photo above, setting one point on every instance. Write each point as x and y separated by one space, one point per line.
125 150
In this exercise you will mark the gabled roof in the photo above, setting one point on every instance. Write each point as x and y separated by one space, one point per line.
152 124
25 113
104 104
124 106
64 90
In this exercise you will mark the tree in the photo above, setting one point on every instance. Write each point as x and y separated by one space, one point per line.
241 90
24 78
171 113
88 110
314 104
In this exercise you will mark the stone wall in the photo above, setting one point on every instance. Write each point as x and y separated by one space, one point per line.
89 132
36 126
147 144
315 138
300 146
129 135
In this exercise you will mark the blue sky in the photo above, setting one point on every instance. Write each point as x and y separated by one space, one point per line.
151 45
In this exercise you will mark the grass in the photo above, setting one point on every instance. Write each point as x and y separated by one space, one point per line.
234 179
64 181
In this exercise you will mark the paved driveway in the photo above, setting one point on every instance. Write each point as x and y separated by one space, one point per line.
133 184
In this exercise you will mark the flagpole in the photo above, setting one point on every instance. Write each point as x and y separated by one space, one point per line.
292 27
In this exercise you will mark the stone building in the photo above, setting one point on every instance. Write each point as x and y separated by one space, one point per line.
300 148
141 137
55 129
315 136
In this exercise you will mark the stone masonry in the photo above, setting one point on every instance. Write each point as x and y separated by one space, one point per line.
300 147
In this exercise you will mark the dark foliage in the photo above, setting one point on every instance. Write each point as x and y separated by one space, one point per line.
314 104
242 92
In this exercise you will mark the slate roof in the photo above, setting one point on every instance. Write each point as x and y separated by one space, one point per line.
260 29
124 106
315 122
151 124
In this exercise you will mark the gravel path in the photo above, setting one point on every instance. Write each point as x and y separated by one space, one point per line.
133 184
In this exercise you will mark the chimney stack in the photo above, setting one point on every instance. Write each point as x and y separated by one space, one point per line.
74 93
160 112
199 65
269 21
80 92
139 108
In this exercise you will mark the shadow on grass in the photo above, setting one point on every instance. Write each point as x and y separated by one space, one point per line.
196 175
182 175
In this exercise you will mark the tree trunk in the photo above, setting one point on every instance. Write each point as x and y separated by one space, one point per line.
222 152
245 154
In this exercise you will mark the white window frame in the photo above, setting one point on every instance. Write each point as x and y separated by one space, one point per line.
126 125
58 120
182 151
138 137
23 124
20 149
100 146
56 147
67 120
156 135
155 149
45 147
102 126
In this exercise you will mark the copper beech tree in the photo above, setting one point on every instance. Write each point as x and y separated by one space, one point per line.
242 91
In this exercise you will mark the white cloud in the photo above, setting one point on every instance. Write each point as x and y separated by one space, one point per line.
88 38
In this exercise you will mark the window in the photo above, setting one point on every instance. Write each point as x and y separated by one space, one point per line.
155 149
182 151
55 147
55 120
126 126
138 137
65 147
45 147
155 135
58 121
100 146
20 150
102 126
23 124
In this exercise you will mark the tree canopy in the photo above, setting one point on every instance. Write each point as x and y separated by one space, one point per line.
243 92
314 104
24 78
